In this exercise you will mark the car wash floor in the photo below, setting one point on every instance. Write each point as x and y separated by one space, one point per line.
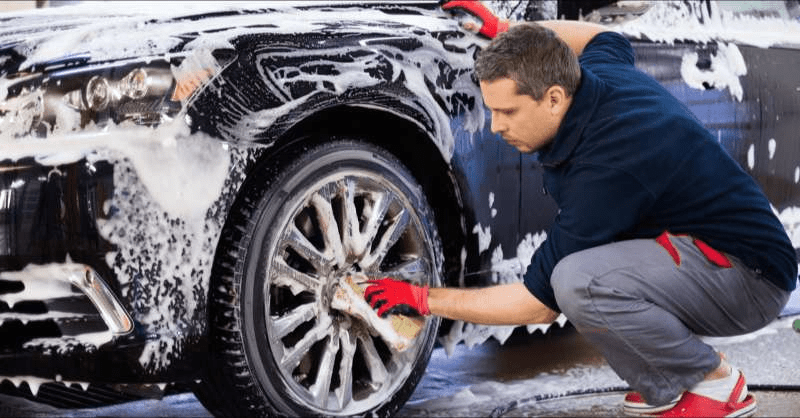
560 374
557 374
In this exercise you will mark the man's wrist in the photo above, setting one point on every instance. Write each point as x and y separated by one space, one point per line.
503 25
424 309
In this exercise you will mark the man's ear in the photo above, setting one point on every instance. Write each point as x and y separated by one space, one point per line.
557 98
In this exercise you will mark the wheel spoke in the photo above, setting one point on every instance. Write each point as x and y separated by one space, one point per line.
292 357
296 281
351 237
298 242
396 228
329 227
288 322
321 387
344 393
377 212
377 371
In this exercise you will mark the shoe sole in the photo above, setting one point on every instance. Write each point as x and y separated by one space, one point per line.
633 410
638 409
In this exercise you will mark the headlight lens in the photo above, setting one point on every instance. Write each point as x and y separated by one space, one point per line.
134 85
97 93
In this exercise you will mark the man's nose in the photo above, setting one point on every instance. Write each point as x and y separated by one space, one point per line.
498 126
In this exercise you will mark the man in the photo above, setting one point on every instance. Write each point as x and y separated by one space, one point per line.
660 238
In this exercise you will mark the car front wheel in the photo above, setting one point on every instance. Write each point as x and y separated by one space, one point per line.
341 209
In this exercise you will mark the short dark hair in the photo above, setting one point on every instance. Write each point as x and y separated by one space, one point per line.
534 57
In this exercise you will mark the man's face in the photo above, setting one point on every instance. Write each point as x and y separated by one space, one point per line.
523 122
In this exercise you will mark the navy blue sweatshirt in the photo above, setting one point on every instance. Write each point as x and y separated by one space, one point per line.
631 161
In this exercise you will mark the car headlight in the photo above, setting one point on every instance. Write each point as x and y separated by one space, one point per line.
142 95
72 99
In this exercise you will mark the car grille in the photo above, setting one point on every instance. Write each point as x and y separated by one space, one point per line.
55 323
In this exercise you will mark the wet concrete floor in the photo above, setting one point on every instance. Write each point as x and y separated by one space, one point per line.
557 374
560 374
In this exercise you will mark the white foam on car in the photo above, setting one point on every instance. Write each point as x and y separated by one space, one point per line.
35 382
510 270
38 283
727 23
703 22
484 236
63 345
727 65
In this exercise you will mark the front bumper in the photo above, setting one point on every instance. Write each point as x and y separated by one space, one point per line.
54 301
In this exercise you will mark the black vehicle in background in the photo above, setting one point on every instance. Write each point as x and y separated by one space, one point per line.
184 187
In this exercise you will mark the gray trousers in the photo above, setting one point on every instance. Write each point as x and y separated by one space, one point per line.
645 313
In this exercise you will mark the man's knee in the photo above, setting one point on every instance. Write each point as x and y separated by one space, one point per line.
570 280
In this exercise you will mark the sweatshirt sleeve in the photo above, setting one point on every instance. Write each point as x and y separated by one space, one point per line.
598 205
608 48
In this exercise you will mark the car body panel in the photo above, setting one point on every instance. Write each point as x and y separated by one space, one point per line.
144 206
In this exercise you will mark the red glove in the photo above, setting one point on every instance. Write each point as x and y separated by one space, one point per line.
389 294
492 25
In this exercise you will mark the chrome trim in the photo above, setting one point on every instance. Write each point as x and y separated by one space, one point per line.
14 168
38 278
92 285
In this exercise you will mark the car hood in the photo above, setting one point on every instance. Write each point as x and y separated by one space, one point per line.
105 31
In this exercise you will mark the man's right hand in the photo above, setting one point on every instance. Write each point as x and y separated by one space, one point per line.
388 296
492 25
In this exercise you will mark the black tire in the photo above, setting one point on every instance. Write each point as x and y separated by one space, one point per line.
277 346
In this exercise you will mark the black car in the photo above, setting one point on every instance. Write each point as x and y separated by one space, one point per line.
184 188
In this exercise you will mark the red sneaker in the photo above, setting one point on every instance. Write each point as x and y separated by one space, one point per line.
636 406
694 405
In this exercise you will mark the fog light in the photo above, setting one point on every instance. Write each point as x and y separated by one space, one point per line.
97 93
